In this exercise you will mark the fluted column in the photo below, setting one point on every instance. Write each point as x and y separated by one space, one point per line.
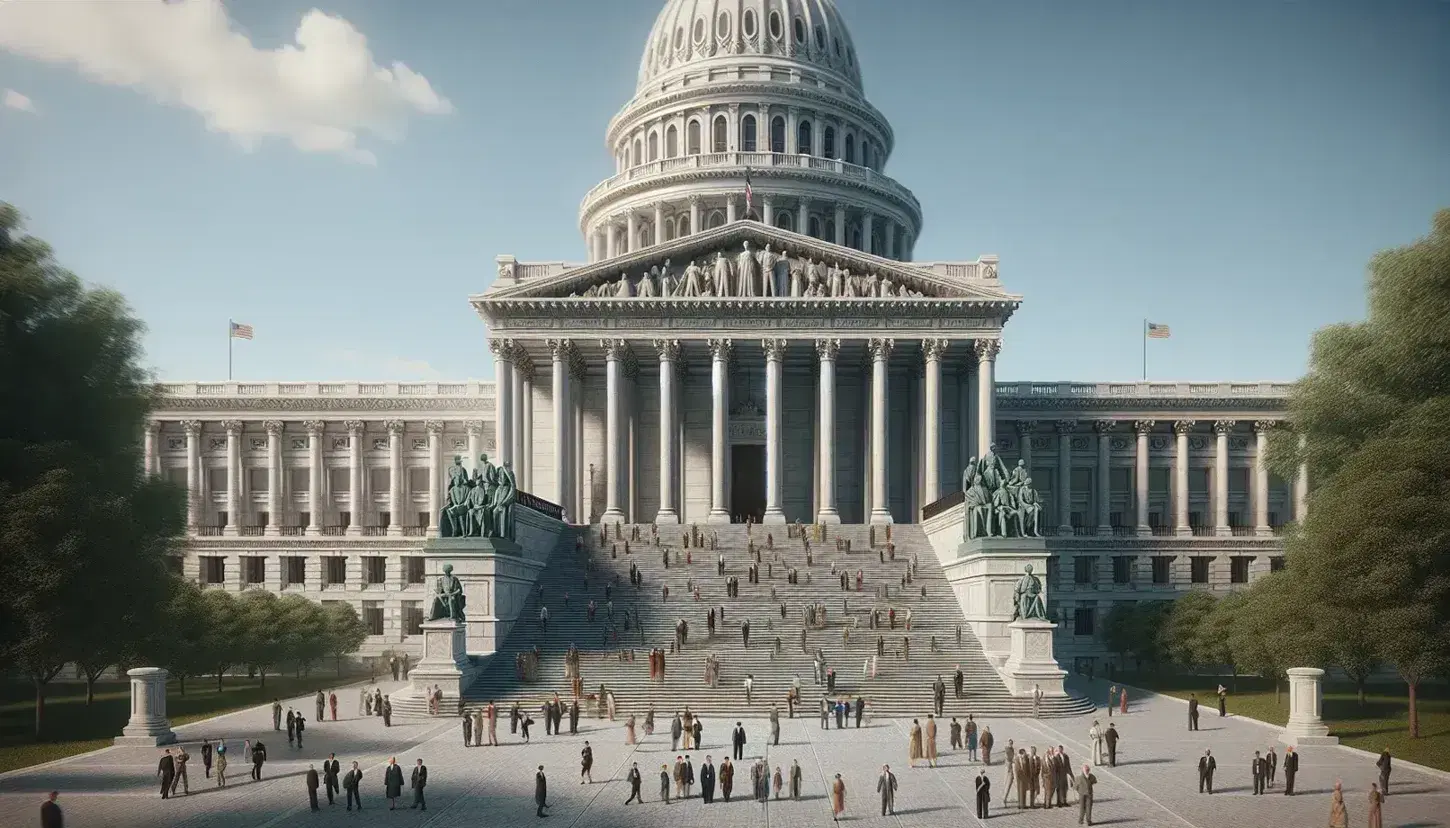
355 476
315 510
1180 478
395 477
827 350
840 225
234 476
1261 478
659 230
193 472
669 351
613 430
475 443
880 357
150 465
694 214
1103 496
559 349
933 350
1140 476
986 350
1221 431
631 229
719 444
1065 428
1025 430
274 477
435 474
503 399
803 215
610 245
1301 486
524 391
774 361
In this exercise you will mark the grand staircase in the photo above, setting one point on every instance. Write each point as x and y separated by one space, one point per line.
901 686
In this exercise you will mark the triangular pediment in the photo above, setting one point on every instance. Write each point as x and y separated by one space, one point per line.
739 254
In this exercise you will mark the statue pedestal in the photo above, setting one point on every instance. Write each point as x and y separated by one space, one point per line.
490 570
444 664
148 726
984 575
1306 709
1030 662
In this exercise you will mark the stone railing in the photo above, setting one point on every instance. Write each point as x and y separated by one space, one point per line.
465 389
941 504
540 505
1119 390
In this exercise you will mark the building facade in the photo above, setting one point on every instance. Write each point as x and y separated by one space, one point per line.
748 336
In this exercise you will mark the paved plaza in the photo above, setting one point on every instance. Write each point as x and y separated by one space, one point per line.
1155 783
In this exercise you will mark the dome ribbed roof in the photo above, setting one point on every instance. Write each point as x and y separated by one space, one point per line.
807 32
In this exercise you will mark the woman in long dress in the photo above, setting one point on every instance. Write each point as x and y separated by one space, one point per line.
1376 803
838 797
930 743
1338 814
913 749
610 704
1122 700
629 730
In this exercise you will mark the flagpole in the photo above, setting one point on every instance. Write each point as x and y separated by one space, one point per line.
229 350
1145 350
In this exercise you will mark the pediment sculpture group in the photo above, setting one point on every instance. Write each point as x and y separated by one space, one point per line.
480 505
1000 504
751 274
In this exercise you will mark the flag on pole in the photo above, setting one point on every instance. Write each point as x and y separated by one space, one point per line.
240 331
1156 331
749 193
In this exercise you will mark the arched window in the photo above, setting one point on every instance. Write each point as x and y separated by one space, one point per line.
719 139
865 153
654 146
747 133
785 220
646 235
682 226
850 148
829 233
634 160
672 141
815 227
803 138
669 229
716 219
856 237
777 135
692 138
747 23
829 141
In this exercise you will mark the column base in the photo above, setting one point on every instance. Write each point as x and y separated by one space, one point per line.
880 516
353 532
272 531
828 517
667 517
1103 530
612 516
1223 531
718 518
1065 530
773 516
312 532
1263 531
1143 531
1182 531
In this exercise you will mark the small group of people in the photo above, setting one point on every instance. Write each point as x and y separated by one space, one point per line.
171 769
371 702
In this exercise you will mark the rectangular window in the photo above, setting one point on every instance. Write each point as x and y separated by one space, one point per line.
375 569
213 569
372 617
1162 569
1082 621
1158 479
424 520
1082 480
412 618
295 572
1239 570
1199 574
258 480
304 518
1120 479
256 569
379 481
385 519
299 480
344 519
417 480
264 519
216 480
221 518
334 570
1082 569
414 568
1122 569
339 480
1276 563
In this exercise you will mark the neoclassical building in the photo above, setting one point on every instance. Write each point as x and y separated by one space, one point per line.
747 335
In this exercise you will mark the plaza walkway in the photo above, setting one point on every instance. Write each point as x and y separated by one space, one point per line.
1153 785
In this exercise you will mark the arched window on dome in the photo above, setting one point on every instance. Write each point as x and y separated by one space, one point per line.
669 230
785 220
866 153
634 160
747 133
777 135
719 140
814 225
716 219
692 138
672 142
850 156
829 232
829 142
803 138
682 226
646 235
654 146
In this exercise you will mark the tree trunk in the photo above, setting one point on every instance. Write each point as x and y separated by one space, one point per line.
1233 679
39 704
1276 691
1359 685
263 672
90 689
181 682
1414 709
339 665
219 680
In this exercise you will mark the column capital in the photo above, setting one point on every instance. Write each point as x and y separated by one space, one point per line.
1265 426
273 427
394 427
934 349
433 427
1183 426
524 365
474 428
1065 426
1104 427
1144 426
614 349
695 200
501 349
880 349
153 426
191 427
355 426
720 349
232 427
1025 427
560 349
774 349
828 349
668 349
987 349
629 366
1223 427
314 427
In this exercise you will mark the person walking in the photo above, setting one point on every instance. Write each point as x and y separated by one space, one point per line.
984 794
586 764
1338 812
985 742
312 784
221 766
838 798
795 779
541 793
1095 738
301 725
321 701
635 780
1383 763
419 781
330 771
1376 806
181 757
206 751
352 784
1222 701
1192 711
1084 786
50 813
1291 769
1271 767
1110 738
1256 767
166 772
665 785
259 758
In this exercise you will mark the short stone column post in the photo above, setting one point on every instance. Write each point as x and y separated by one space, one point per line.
148 726
1306 709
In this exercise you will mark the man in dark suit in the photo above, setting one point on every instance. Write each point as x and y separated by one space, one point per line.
957 681
860 708
50 815
1206 766
1192 711
635 780
1259 769
312 784
737 741
419 781
206 757
541 793
301 725
984 794
1291 767
259 756
166 770
1111 738
1271 767
707 781
352 784
330 771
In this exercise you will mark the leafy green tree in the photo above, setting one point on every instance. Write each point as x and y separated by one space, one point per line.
223 645
263 641
1119 629
1215 644
1369 423
1269 632
1181 636
76 514
303 628
345 630
180 644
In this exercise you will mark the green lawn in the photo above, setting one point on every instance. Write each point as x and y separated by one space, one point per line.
72 727
1383 721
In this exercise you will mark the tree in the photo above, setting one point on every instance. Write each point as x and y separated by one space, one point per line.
180 643
1368 422
303 627
1181 636
73 502
226 630
263 633
1214 644
1269 632
345 630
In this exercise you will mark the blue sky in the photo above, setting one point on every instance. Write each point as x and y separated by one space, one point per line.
1226 168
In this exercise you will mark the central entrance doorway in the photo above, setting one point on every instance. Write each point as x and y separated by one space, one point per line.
747 482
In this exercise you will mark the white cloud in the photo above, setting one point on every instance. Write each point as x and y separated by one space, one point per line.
11 99
320 92
396 369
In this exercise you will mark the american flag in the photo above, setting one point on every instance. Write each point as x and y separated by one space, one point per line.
749 193
240 331
1156 331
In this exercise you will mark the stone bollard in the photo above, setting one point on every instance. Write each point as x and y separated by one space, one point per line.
1306 709
148 726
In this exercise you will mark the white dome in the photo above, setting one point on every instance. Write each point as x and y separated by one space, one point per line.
807 32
